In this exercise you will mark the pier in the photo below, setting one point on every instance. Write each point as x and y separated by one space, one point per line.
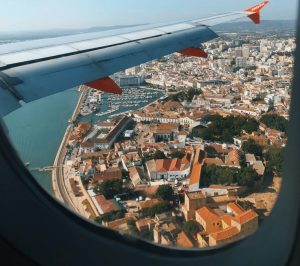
83 89
46 168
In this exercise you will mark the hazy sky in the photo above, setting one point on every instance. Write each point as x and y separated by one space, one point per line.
20 15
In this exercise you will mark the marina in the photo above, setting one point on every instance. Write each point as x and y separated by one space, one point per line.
100 106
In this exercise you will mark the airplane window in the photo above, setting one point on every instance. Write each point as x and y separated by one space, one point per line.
190 154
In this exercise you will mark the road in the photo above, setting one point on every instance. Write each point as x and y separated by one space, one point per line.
59 186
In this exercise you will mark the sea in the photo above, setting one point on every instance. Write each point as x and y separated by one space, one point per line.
36 130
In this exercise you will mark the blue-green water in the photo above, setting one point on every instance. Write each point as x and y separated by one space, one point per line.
36 130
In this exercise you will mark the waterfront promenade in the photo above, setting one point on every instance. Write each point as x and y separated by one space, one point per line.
58 182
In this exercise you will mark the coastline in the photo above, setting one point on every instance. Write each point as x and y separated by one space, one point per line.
60 155
58 181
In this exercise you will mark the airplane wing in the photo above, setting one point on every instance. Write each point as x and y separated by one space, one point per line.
31 70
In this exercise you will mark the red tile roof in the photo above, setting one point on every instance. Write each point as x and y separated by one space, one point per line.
196 174
225 233
197 167
226 219
245 217
207 214
236 208
113 173
170 165
106 206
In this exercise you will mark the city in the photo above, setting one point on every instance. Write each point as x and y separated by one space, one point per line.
201 163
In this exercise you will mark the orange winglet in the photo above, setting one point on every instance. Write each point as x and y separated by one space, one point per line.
106 85
197 52
254 11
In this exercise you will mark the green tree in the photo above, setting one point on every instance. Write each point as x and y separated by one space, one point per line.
109 188
251 147
275 121
275 158
225 128
247 177
165 192
221 175
125 174
250 126
108 217
157 209
191 228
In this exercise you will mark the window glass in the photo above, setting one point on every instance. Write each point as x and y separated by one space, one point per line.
190 154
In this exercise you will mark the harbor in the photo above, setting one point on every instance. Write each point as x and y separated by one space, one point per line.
101 106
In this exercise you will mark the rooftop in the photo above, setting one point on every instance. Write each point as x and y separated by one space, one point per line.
207 214
195 195
245 217
225 233
184 241
236 208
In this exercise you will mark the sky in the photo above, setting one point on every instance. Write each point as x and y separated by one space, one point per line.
37 15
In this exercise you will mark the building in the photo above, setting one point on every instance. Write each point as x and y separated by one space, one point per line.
135 175
151 169
209 219
195 179
166 132
226 236
131 159
103 205
131 80
241 62
223 226
192 202
183 241
145 225
246 222
101 139
105 141
168 169
220 98
109 174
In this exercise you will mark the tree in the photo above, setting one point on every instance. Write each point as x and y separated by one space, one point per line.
221 175
125 174
251 147
275 157
109 188
157 209
211 151
184 95
165 192
191 228
247 177
108 217
159 155
251 126
225 128
275 121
